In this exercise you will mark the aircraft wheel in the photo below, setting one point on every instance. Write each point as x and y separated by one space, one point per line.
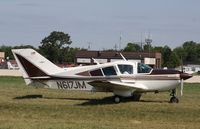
174 100
117 99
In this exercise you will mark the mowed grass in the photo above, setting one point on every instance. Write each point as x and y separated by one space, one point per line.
56 109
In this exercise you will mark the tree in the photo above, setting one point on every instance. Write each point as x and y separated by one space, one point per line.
148 48
166 53
55 46
191 50
181 53
174 61
198 53
169 58
8 52
158 49
132 47
71 54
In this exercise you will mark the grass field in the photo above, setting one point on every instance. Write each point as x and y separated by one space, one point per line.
21 109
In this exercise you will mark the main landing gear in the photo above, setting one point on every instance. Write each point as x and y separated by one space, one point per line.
134 97
117 99
173 99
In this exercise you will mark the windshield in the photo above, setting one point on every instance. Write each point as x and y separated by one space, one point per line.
126 69
143 68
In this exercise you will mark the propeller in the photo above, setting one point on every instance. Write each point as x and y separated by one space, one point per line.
181 79
183 76
181 87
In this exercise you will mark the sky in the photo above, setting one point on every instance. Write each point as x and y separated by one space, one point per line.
100 23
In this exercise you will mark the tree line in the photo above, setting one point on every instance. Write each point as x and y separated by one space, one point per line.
187 53
56 48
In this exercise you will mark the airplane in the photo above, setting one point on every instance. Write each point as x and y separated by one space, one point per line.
123 78
12 67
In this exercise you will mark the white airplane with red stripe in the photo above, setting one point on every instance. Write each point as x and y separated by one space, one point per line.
122 78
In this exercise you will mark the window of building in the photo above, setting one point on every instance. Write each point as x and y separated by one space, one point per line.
126 69
143 68
96 72
108 71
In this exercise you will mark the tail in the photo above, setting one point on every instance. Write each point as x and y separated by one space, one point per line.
33 65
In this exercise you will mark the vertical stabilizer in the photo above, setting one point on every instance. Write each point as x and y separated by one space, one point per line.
32 64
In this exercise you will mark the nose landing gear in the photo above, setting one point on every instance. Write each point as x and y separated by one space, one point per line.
173 99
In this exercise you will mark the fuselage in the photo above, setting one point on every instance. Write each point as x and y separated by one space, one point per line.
130 73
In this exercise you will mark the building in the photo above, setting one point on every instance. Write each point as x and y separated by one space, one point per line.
191 68
2 60
2 56
85 57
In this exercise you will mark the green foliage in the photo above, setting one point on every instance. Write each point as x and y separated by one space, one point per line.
70 55
132 47
166 56
189 52
8 52
148 48
173 61
169 58
158 49
181 53
55 46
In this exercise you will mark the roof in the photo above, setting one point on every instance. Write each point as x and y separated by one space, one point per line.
116 55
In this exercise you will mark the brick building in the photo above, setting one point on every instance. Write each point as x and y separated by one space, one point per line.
153 59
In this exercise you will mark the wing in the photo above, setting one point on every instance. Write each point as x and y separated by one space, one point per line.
116 85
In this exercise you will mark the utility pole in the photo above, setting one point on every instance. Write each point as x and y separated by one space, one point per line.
115 47
120 41
148 40
89 45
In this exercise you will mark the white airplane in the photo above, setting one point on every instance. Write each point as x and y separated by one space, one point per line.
12 67
123 78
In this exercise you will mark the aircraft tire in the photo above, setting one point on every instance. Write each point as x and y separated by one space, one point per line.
174 100
117 99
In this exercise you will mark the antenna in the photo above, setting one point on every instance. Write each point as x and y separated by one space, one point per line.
96 61
120 41
141 43
89 45
115 47
123 57
148 40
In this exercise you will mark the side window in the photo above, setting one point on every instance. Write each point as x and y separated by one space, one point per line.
126 69
108 71
96 73
143 68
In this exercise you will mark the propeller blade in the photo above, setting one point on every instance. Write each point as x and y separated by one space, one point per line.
181 64
181 87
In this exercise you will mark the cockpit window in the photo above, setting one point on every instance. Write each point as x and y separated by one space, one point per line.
108 71
143 68
126 69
